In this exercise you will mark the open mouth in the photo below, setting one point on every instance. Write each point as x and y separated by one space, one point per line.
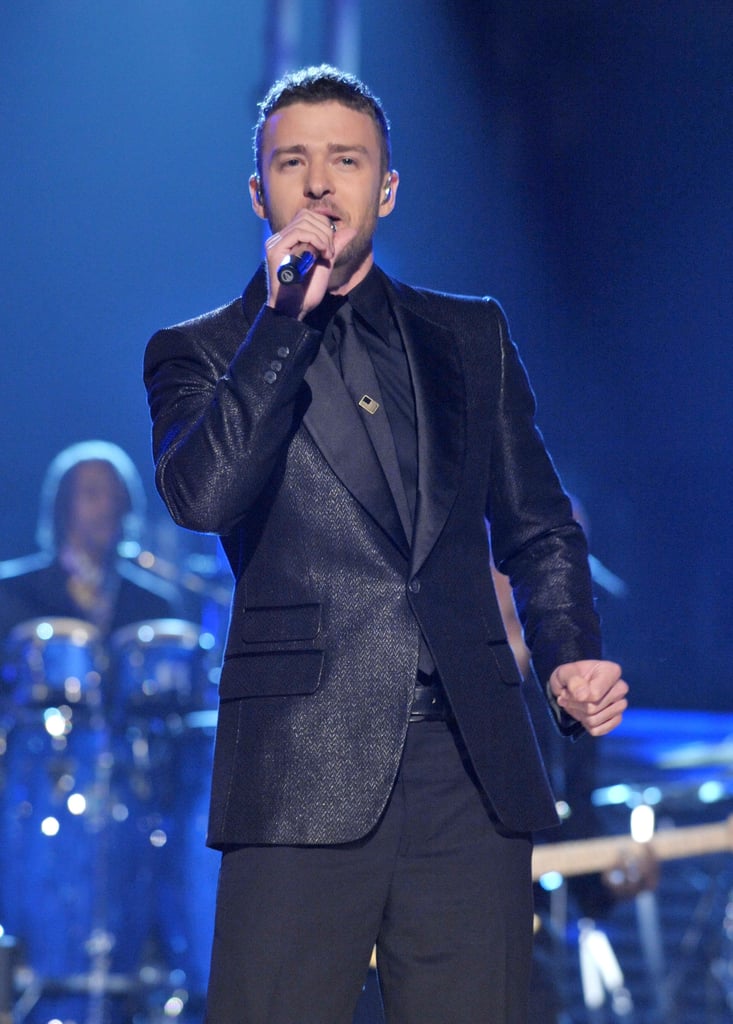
332 216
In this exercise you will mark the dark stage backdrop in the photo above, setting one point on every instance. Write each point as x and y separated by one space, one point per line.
572 158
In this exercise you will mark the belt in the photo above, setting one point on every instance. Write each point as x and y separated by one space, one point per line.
429 701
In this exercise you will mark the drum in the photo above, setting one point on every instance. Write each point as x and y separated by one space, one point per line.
54 661
160 668
165 709
76 856
188 869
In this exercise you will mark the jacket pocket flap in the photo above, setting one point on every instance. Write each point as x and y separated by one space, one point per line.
274 674
279 622
505 663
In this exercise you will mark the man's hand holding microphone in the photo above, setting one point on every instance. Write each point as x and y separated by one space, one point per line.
300 259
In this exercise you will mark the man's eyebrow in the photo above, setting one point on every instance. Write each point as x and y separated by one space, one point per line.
298 149
287 151
340 147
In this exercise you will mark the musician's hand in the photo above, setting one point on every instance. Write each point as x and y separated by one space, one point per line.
631 876
592 692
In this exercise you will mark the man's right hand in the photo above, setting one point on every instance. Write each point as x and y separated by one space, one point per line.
326 239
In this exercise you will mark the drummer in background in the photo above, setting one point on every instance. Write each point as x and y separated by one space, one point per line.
91 501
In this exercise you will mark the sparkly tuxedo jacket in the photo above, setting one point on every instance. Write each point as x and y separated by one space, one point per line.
256 439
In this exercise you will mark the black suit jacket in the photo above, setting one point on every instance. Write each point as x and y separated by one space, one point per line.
256 438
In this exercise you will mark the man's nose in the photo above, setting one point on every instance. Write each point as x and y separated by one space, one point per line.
317 182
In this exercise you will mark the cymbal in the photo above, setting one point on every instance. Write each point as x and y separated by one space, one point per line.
699 755
683 795
197 574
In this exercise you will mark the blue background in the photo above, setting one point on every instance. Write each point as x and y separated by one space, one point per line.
571 158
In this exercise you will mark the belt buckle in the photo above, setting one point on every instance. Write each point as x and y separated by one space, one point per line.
428 702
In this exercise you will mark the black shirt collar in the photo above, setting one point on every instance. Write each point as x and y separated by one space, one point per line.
368 298
321 316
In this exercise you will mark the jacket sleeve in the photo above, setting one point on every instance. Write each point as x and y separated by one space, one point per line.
223 406
535 539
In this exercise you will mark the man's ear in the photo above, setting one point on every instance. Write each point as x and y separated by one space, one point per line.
257 196
389 193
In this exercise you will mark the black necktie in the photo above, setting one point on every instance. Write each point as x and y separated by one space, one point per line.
350 353
352 357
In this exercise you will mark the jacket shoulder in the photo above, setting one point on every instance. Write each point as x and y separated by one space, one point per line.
211 339
222 320
235 314
447 307
220 330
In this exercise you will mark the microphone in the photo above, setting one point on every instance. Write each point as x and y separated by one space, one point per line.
295 267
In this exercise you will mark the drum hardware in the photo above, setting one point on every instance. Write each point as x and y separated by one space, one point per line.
94 987
600 972
688 793
7 961
722 966
699 755
714 890
187 864
200 575
201 720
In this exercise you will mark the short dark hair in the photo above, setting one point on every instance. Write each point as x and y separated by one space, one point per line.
321 84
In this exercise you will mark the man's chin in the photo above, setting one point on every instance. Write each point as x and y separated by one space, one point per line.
352 262
105 547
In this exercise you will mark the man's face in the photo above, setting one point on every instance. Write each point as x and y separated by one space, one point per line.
328 158
98 506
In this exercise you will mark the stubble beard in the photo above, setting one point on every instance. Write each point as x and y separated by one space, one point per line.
353 257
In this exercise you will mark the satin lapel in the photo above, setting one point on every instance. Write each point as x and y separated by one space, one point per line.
334 423
440 407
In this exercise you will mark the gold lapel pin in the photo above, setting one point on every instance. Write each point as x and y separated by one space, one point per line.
368 404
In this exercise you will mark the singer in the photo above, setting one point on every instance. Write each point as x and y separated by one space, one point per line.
376 777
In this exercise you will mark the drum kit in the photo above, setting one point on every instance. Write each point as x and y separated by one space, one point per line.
106 885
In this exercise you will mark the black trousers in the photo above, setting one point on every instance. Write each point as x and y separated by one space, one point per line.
441 889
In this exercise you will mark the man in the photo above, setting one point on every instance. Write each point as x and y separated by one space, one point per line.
91 500
376 778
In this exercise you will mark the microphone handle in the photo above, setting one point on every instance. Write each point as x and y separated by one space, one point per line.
294 268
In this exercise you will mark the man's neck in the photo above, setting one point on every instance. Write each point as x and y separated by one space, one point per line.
355 278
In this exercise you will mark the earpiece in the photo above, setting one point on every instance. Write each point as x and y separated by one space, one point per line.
387 194
258 192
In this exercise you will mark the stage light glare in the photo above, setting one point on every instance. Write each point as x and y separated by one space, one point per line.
77 804
642 823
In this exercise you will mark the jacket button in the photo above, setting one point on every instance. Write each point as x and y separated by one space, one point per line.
414 586
283 351
270 377
276 365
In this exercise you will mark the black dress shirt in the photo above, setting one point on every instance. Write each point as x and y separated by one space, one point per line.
379 334
378 331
